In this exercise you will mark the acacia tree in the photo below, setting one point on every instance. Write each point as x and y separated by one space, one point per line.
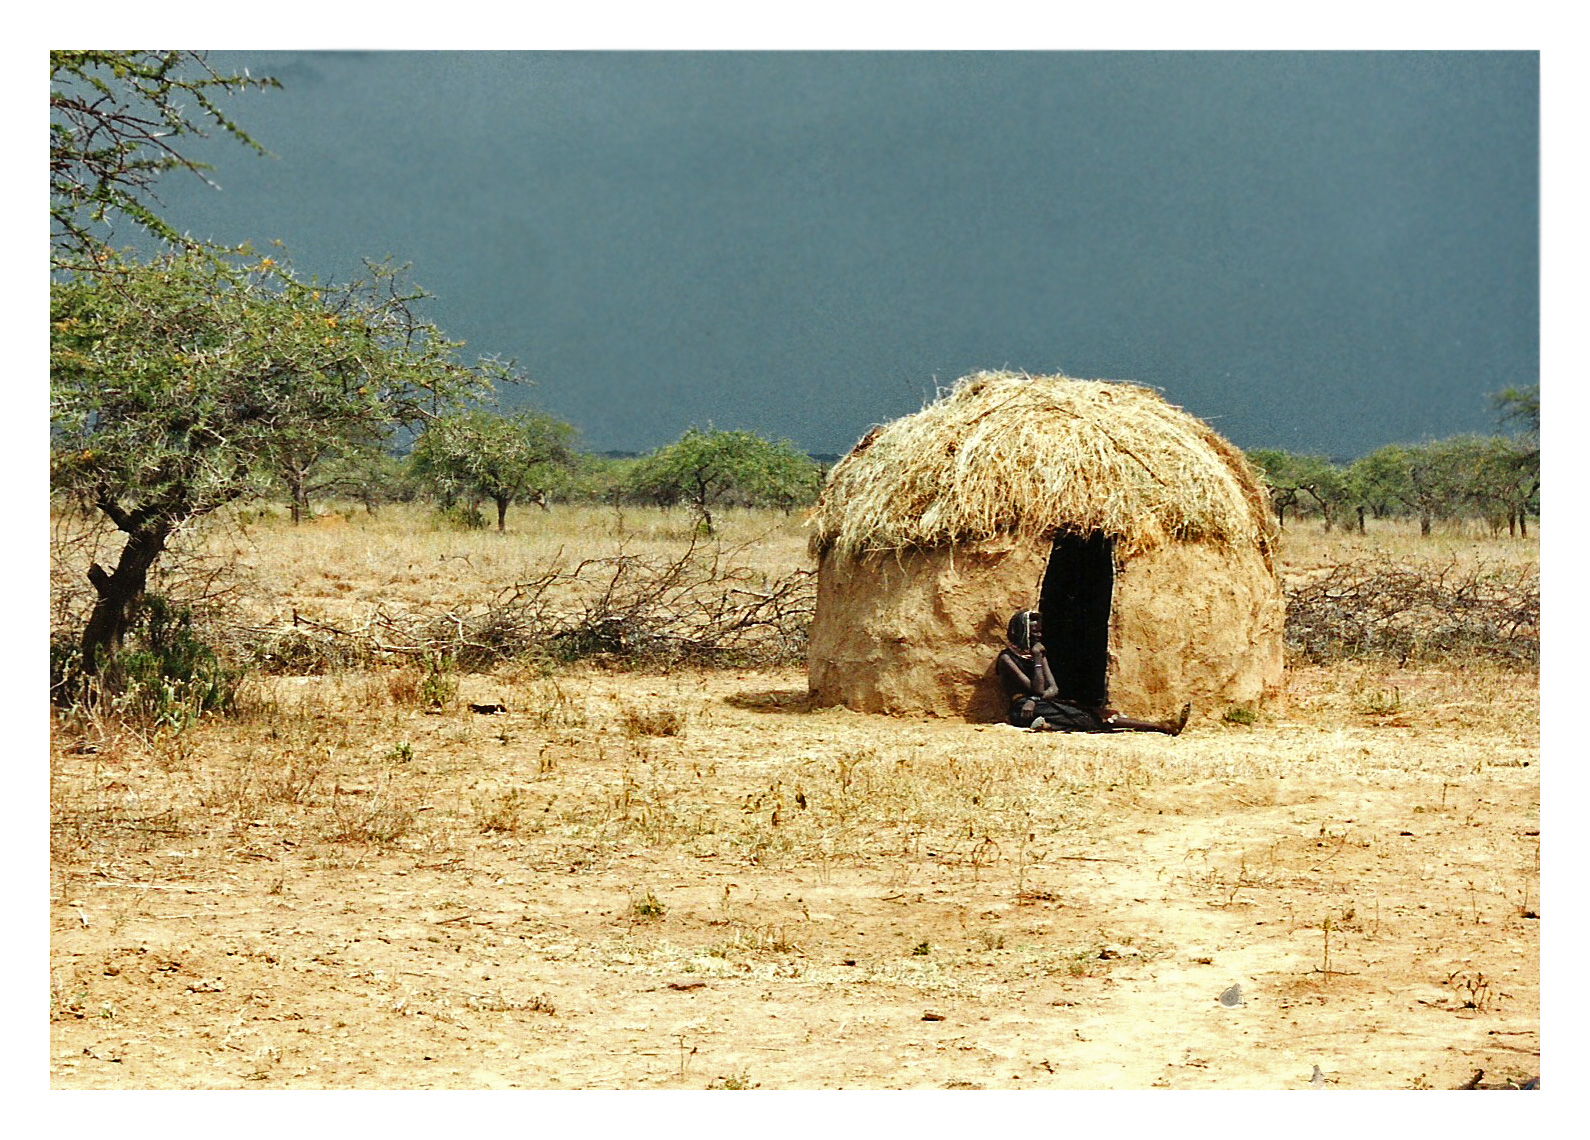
1378 482
117 120
1496 477
174 383
1440 477
1520 407
1517 470
1292 477
372 476
714 468
506 458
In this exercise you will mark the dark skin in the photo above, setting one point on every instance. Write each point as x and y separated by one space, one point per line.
1029 675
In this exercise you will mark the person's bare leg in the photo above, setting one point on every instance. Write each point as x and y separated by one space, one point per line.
1173 727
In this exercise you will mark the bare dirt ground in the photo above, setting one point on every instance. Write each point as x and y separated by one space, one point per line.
692 880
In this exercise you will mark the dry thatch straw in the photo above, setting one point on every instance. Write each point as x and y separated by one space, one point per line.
1010 453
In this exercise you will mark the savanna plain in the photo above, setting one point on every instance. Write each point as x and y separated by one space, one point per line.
422 852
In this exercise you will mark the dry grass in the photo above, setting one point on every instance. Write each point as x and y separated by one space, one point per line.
677 878
1011 453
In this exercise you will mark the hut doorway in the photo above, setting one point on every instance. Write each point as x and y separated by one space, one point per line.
1078 586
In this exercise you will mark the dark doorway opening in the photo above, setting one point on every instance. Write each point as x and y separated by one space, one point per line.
1075 605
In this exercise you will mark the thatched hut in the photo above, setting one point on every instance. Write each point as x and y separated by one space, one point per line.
1144 538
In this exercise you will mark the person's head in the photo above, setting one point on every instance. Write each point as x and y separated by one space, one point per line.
1025 628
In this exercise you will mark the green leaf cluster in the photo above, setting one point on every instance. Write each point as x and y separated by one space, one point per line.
712 468
1493 477
117 119
506 458
177 384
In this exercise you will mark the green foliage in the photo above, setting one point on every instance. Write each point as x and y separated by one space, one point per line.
116 122
462 516
506 458
713 468
647 907
176 384
1298 479
165 676
1520 407
1378 482
600 478
372 476
1445 478
440 686
1492 477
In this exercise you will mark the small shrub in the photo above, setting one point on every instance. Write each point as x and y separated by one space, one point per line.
439 688
380 821
741 1080
462 516
647 908
502 811
404 687
291 778
652 722
163 675
1241 714
1380 702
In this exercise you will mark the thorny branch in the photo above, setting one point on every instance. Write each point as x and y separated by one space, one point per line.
1416 611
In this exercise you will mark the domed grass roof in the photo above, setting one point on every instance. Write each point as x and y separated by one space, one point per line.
1031 456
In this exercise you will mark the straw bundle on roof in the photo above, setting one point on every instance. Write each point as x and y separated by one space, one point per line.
1009 453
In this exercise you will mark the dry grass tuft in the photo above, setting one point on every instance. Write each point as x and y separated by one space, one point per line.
652 722
1012 453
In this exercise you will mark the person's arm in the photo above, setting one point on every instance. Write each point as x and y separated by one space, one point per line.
1044 684
1015 675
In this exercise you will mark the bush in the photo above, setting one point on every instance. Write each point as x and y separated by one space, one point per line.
462 516
1416 611
163 674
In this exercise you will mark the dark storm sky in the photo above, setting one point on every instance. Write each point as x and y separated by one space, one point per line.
1322 252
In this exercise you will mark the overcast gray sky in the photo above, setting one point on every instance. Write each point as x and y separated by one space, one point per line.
1318 251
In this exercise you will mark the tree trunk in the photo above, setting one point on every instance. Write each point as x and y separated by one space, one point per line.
1424 525
297 494
1523 525
701 501
502 512
1361 529
118 592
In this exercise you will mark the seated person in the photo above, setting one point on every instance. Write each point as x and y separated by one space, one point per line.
1035 700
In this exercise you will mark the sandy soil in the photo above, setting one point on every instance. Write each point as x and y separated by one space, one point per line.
1344 895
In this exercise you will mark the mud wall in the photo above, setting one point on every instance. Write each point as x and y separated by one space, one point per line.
917 633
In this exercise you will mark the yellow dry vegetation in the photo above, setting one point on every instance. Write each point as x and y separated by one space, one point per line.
693 879
1010 453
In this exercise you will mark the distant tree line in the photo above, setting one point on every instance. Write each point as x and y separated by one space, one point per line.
464 460
1495 479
